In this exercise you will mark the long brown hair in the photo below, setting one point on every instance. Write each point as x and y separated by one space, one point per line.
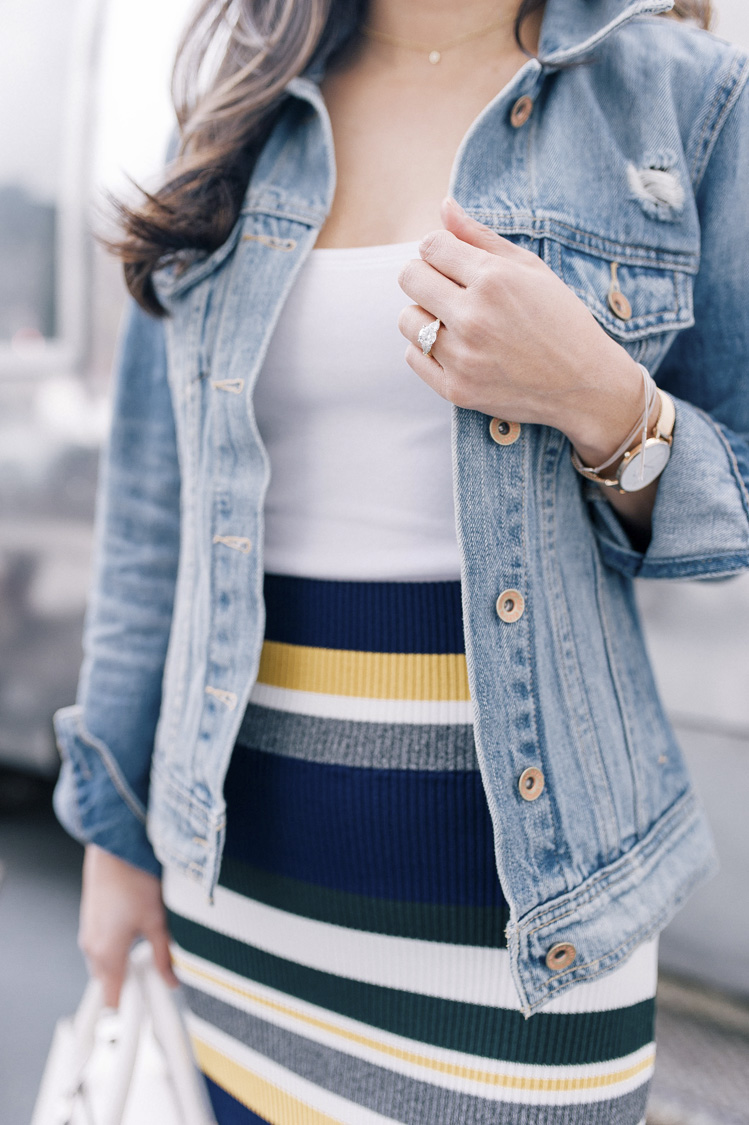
233 63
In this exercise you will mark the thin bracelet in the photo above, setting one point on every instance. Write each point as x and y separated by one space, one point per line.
650 391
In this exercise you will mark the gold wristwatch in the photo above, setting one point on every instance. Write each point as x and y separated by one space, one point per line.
644 462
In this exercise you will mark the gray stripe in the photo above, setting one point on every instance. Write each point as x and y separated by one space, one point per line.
346 742
395 1095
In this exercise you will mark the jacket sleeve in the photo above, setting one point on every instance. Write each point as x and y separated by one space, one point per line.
106 738
701 516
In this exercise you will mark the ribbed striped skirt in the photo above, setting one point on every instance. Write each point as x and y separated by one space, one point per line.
352 967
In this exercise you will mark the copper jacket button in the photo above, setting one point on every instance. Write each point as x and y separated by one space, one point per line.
619 305
521 111
504 433
531 784
510 605
560 956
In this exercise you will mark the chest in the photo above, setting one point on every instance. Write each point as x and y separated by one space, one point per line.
539 183
396 138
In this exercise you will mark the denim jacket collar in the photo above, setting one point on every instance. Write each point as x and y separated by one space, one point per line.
570 29
573 28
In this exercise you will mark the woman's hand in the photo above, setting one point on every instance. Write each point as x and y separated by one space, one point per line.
515 341
120 903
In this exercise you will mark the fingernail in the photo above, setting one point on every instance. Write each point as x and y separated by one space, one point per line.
454 203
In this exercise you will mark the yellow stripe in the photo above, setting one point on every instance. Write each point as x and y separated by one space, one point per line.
473 1074
261 1097
368 675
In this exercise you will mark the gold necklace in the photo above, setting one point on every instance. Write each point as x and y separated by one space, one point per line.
435 54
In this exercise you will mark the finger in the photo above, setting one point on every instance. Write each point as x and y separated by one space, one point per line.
430 288
162 958
106 953
411 321
453 258
111 986
467 230
109 969
428 369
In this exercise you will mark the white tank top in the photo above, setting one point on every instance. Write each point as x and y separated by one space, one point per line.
359 446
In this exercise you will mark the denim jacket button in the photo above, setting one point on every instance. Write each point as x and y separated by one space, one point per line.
521 111
531 784
560 956
504 433
619 305
510 606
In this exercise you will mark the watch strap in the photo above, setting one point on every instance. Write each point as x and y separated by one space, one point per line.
664 428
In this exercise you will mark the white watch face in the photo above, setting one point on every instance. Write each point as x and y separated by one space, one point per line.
644 466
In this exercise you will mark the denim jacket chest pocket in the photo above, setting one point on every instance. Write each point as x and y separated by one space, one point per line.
641 296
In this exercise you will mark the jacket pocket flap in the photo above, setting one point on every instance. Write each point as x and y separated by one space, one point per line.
631 300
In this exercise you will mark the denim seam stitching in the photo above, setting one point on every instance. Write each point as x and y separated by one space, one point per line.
644 10
540 226
645 324
75 711
743 492
288 214
620 696
730 90
532 690
586 736
187 802
640 935
177 654
594 889
673 561
113 771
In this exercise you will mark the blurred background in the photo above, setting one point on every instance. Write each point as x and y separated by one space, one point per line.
85 86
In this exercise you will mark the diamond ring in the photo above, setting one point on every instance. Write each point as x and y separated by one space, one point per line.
427 336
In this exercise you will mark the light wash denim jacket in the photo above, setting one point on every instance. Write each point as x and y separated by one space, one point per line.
639 157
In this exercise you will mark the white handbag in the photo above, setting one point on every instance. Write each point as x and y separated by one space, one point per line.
134 1066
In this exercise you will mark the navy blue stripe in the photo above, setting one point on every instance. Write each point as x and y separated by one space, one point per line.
364 616
408 835
227 1110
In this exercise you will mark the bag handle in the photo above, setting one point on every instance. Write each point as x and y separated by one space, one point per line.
144 991
171 1035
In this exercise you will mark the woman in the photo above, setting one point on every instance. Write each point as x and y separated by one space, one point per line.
420 813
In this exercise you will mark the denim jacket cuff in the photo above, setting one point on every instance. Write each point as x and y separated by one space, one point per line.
701 515
92 799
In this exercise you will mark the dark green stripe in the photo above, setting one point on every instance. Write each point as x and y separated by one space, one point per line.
554 1040
455 925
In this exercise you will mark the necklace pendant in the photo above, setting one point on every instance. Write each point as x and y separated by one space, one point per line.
434 57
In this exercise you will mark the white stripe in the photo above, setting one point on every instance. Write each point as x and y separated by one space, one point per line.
444 712
471 974
309 1093
234 990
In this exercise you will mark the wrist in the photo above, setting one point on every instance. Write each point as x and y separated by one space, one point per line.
612 410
